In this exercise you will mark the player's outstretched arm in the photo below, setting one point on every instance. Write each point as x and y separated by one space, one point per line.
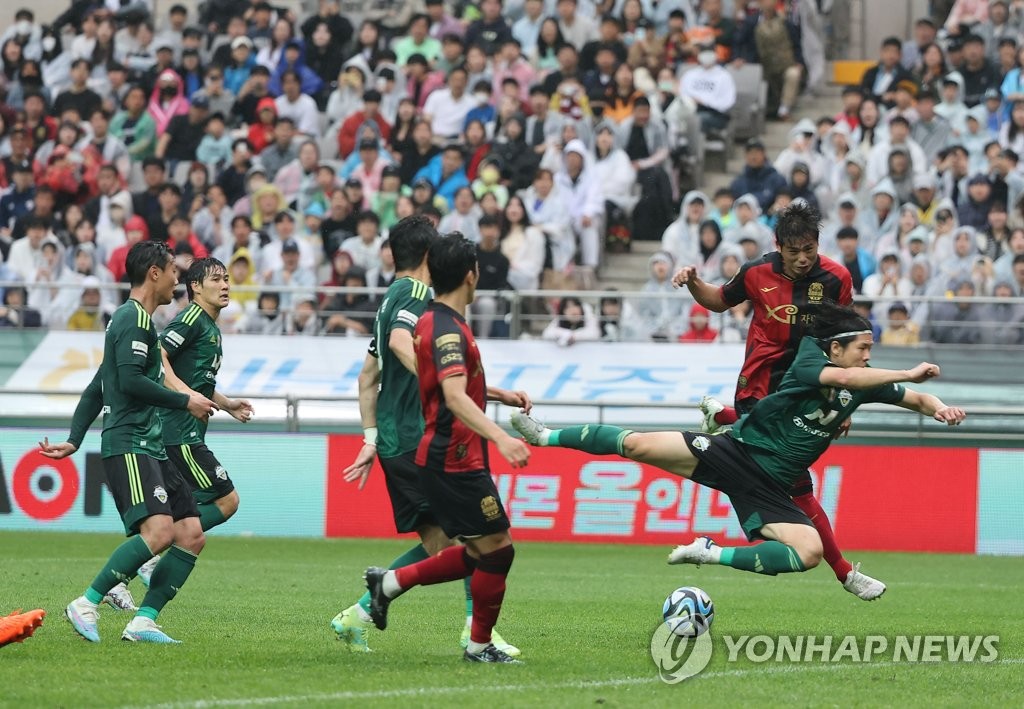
704 293
932 406
870 377
89 407
240 409
465 409
518 399
369 378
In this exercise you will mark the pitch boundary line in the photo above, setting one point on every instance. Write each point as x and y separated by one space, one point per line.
580 684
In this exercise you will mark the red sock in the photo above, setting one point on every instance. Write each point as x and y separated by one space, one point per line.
812 508
726 416
449 565
488 589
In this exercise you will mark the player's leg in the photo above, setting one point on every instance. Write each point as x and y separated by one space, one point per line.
176 565
494 554
663 449
852 578
216 497
136 486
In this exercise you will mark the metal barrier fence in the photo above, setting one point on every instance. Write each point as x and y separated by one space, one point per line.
525 313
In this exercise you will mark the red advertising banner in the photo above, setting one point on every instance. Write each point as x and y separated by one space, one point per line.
879 498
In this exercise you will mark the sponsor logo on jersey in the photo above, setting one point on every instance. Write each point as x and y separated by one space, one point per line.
451 358
815 292
799 422
768 290
447 342
783 313
490 508
174 338
140 348
221 473
845 397
106 410
160 494
701 443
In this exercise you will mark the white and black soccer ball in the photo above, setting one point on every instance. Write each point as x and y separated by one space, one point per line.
688 611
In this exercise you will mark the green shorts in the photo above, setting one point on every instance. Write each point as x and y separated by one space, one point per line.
205 475
724 464
143 486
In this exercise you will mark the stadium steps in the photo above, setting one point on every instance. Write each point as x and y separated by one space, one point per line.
629 271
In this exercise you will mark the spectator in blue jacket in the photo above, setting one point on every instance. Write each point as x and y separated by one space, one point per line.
758 178
446 172
858 261
18 202
294 58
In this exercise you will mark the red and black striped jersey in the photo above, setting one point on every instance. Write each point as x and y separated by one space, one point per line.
445 347
777 323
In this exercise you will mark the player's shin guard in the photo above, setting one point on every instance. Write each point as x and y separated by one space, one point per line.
488 586
410 556
122 566
727 416
168 578
769 558
804 498
210 516
599 439
449 564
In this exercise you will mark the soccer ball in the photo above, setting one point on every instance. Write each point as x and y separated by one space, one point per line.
688 611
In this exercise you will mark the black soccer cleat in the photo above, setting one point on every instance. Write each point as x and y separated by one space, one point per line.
490 654
379 602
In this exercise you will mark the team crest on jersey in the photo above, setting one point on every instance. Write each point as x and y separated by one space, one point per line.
160 494
815 292
460 451
701 443
742 382
221 473
490 508
845 397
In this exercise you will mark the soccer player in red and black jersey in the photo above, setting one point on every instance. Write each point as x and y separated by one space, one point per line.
779 286
452 455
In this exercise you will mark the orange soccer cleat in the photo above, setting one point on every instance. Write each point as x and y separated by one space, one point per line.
17 626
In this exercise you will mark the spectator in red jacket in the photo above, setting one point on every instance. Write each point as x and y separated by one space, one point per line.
135 230
700 329
350 128
261 133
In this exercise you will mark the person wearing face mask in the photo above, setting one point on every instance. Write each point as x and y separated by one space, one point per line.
712 88
489 181
483 110
27 33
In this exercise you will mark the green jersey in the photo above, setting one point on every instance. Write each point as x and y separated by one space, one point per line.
193 345
399 413
128 387
789 429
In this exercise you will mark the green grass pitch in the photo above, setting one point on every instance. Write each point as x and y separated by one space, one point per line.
254 621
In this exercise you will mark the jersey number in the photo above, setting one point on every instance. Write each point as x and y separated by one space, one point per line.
217 359
821 417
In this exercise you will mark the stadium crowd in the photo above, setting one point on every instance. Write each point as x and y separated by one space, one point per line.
548 131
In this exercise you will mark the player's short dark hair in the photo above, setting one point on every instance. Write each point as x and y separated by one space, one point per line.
450 258
832 322
797 222
200 270
143 256
411 239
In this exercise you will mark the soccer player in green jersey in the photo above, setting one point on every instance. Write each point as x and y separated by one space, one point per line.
192 354
757 461
154 501
392 418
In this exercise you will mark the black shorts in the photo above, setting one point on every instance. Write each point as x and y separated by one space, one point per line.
206 477
409 503
143 486
725 465
802 485
466 504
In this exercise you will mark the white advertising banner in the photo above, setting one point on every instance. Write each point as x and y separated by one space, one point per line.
628 373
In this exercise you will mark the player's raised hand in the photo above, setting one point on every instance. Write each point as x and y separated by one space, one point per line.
684 276
56 450
515 451
950 415
200 407
361 466
518 399
843 431
240 410
923 372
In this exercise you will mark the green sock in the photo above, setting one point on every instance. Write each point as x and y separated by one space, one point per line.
168 578
598 439
769 558
469 597
122 565
210 516
411 556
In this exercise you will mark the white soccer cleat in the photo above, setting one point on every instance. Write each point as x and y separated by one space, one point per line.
146 570
120 598
533 431
709 406
84 616
862 585
145 630
699 551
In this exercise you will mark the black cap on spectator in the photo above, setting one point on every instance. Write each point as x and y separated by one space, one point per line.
925 21
755 144
391 171
898 307
290 247
367 144
259 70
422 182
192 32
993 94
354 183
200 101
434 2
